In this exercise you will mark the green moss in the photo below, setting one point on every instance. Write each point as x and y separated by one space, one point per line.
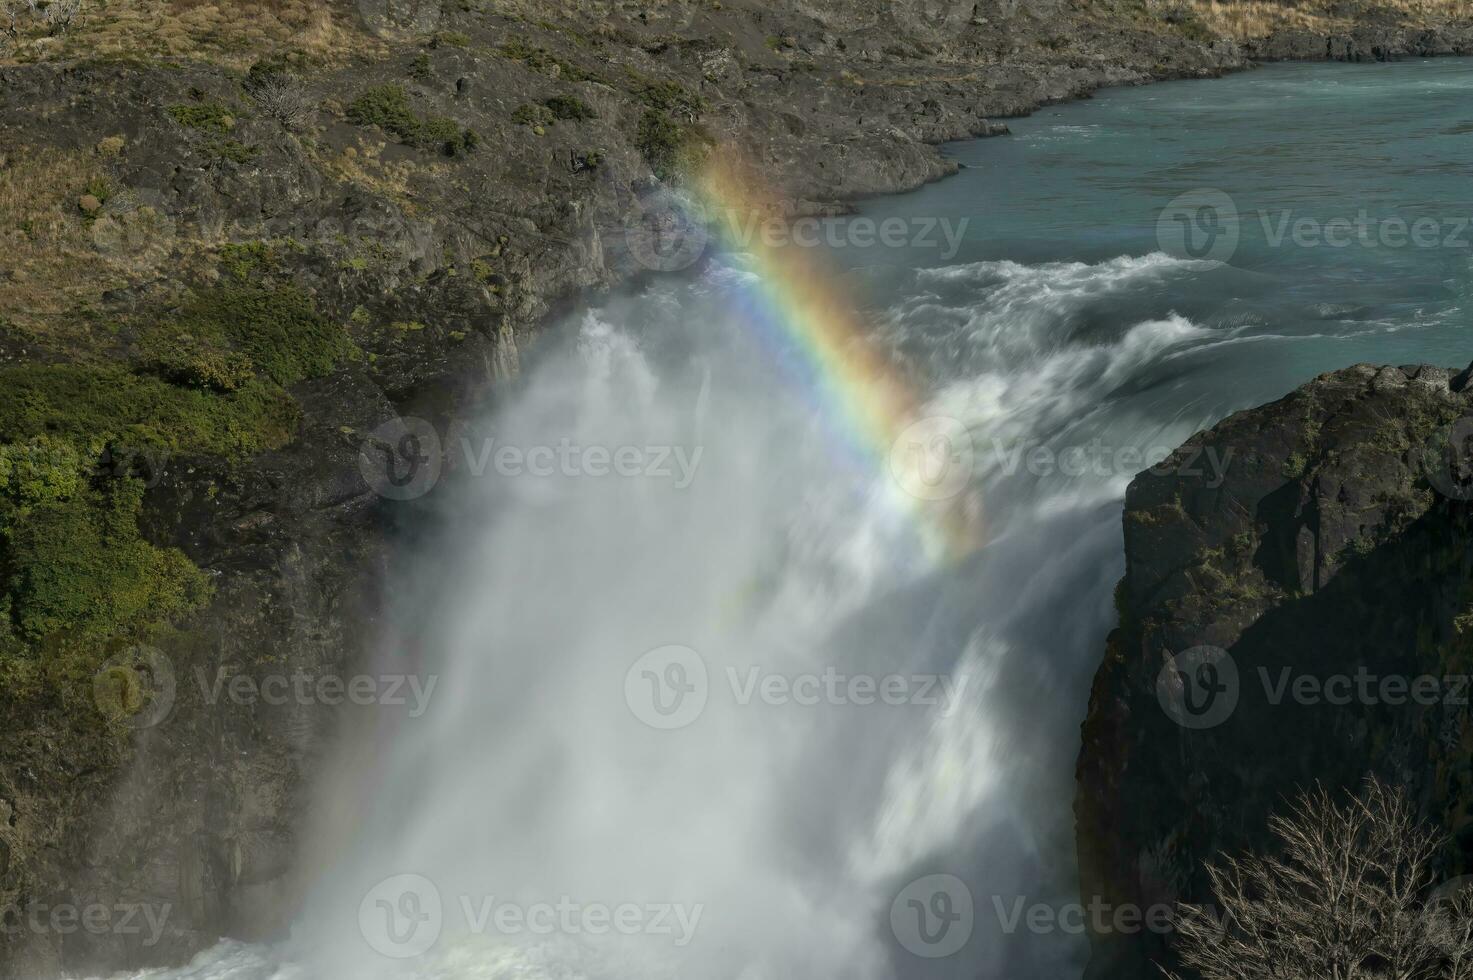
387 107
88 406
453 39
77 566
278 329
76 574
209 116
670 148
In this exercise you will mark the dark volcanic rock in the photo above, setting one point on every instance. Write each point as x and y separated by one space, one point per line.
1328 552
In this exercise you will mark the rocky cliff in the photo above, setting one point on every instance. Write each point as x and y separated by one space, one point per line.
1311 619
240 239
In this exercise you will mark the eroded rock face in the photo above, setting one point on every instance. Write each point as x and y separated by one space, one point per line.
1335 555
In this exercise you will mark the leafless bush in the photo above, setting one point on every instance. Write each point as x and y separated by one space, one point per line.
55 16
58 14
282 97
1347 896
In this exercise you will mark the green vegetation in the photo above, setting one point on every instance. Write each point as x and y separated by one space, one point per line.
209 116
76 573
569 107
671 98
233 150
75 563
670 148
530 114
247 260
387 107
546 63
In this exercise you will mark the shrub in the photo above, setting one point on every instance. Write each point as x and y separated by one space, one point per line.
88 405
569 107
78 566
387 107
233 151
529 114
1348 893
209 116
670 148
545 62
278 329
280 96
673 99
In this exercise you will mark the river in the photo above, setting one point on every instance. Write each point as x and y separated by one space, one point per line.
711 701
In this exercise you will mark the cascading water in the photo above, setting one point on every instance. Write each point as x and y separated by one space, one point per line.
643 732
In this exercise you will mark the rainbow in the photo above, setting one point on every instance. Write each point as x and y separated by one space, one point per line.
822 347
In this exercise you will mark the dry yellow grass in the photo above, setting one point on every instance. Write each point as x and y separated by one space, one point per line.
361 165
235 33
59 258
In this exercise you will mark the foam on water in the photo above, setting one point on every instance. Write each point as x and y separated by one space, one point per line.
793 828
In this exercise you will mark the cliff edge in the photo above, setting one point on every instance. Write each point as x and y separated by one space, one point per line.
1309 620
